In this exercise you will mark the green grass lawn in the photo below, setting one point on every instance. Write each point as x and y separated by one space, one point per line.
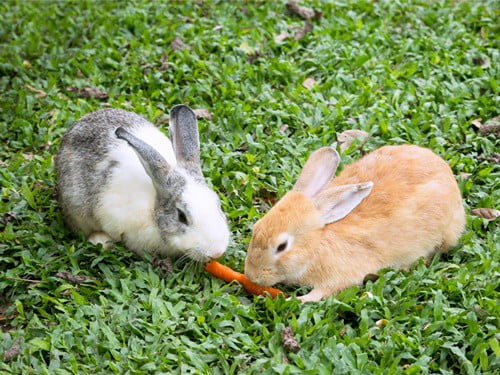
416 71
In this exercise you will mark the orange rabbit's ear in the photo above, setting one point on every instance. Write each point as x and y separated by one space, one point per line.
318 171
337 202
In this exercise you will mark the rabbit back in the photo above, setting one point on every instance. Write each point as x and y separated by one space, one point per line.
415 205
102 184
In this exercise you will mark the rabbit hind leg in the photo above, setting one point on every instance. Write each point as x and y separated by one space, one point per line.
454 230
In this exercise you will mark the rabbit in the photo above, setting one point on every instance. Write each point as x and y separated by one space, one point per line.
120 178
388 209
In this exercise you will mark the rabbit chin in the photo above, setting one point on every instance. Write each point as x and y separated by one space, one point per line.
207 236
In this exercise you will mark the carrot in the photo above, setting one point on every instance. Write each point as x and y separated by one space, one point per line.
227 274
223 272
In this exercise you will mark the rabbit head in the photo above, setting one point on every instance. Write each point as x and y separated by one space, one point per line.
187 212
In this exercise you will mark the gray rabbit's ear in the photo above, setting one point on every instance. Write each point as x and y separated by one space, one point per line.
185 138
155 165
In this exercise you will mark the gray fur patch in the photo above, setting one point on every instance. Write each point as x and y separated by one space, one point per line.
81 173
185 137
168 199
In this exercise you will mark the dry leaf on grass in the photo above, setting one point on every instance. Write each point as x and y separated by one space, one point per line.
264 199
178 45
12 352
242 148
494 158
251 58
301 11
289 341
164 265
483 63
490 129
28 156
486 213
491 126
307 28
164 62
75 279
281 37
481 313
486 63
464 175
261 205
88 92
309 83
370 277
346 138
381 323
8 217
477 123
39 93
203 113
477 60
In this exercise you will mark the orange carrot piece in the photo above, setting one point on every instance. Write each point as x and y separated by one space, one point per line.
223 272
227 274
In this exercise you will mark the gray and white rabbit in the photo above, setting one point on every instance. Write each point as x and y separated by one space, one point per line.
120 178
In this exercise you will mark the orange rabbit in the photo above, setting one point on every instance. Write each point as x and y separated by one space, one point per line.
388 209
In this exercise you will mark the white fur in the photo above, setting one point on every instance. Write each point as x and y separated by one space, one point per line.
208 223
127 203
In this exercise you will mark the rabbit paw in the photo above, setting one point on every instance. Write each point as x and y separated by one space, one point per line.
313 296
101 238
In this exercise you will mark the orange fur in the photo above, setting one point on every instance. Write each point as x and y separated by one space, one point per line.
414 208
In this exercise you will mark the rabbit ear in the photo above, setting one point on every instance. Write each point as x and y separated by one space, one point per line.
185 137
155 165
337 202
318 171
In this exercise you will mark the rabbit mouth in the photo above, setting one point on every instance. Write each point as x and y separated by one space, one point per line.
264 278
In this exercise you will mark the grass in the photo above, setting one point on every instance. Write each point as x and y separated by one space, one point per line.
411 71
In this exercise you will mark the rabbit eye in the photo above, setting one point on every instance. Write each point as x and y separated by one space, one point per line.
182 217
281 247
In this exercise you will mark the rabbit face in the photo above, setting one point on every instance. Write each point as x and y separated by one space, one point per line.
277 250
191 220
